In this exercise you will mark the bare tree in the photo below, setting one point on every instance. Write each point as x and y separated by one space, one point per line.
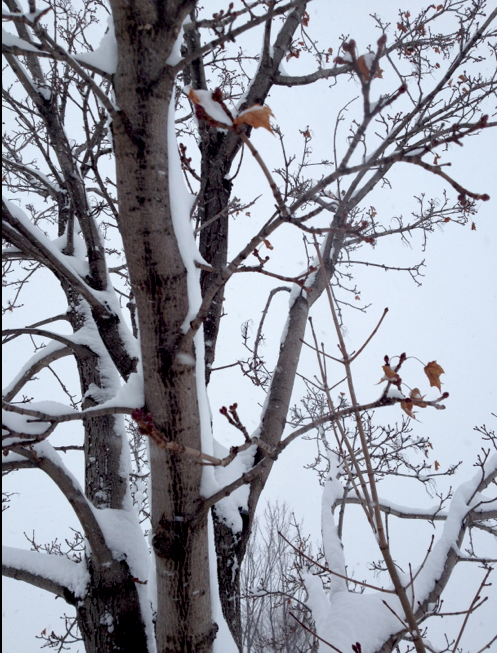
95 181
272 588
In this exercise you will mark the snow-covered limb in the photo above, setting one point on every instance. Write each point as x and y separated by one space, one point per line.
43 456
53 573
336 618
403 512
44 357
19 230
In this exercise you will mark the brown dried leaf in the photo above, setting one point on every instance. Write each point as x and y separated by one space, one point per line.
193 96
389 375
407 407
433 372
364 70
417 398
255 116
437 465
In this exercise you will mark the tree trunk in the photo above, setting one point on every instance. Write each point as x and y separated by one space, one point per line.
143 87
109 616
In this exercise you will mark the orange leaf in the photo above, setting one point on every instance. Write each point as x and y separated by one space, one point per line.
193 96
267 243
389 375
433 372
255 116
407 407
417 398
363 67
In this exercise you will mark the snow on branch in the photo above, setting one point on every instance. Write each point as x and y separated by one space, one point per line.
53 573
43 456
41 359
19 230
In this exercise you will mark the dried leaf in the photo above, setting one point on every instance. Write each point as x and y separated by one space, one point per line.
267 243
389 375
417 398
437 465
364 70
193 96
407 407
363 67
255 116
473 226
433 372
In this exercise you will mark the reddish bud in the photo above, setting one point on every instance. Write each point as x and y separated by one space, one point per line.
223 410
137 414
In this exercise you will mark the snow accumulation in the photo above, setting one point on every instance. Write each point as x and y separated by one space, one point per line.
228 509
73 575
41 353
123 535
14 41
20 424
332 544
343 618
105 56
212 108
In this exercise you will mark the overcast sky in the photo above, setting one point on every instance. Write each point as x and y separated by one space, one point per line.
450 318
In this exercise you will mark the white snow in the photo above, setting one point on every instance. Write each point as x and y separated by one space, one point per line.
228 509
212 108
105 56
343 618
41 353
332 544
73 575
14 41
123 535
21 424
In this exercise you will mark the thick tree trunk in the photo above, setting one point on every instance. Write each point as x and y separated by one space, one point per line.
109 617
143 87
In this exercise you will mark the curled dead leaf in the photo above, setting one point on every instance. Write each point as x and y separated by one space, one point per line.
417 398
389 375
407 406
364 69
255 116
193 96
433 372
437 465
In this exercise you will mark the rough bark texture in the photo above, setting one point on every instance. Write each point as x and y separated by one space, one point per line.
109 616
143 88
